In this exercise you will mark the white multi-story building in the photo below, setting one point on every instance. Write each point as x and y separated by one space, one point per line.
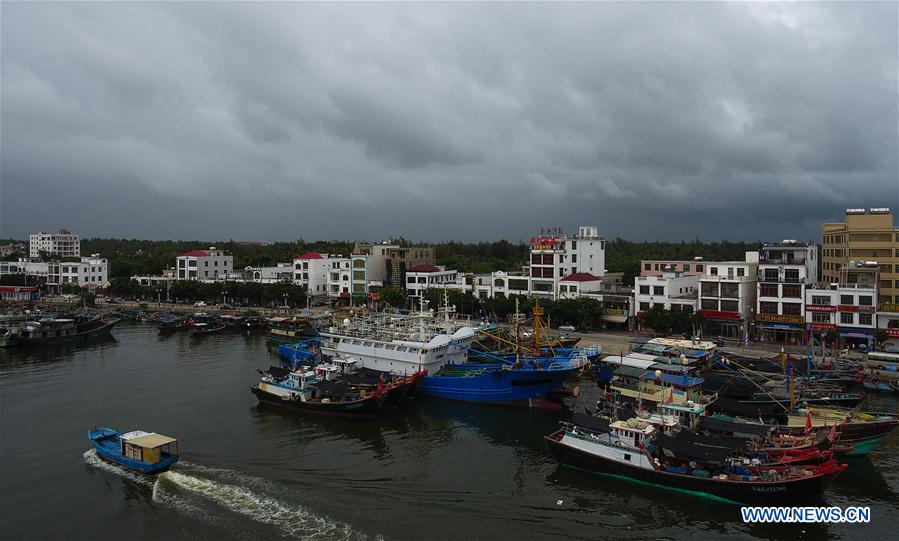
92 271
425 276
339 277
554 257
62 243
671 290
785 271
848 309
311 270
727 296
211 264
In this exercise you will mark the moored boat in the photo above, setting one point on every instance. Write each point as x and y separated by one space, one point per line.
634 451
306 392
144 452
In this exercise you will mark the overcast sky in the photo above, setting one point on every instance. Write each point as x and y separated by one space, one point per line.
467 121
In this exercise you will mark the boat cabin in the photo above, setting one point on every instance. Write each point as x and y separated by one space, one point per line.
687 414
148 447
631 433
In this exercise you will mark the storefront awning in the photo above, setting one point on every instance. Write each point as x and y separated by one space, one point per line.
615 319
856 335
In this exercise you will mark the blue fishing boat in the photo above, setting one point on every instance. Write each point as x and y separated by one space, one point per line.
144 452
524 382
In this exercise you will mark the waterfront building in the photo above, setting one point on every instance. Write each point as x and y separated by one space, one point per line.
424 276
672 290
281 272
62 243
19 294
578 284
864 236
310 270
208 264
388 263
338 277
785 270
554 255
618 306
656 267
847 306
90 271
727 296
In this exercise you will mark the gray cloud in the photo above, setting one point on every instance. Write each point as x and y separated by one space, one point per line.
436 121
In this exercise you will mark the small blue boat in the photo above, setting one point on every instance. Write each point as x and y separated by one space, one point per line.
144 452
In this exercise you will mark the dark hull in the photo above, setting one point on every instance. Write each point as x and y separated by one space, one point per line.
366 408
104 330
735 492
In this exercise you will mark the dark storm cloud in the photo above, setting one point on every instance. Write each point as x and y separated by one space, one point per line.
467 121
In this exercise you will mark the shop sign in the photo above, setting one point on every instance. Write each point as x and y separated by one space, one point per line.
847 308
614 312
866 309
820 308
715 314
822 326
776 318
889 307
893 333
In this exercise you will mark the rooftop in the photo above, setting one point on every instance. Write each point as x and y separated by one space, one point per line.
424 267
581 277
195 253
310 255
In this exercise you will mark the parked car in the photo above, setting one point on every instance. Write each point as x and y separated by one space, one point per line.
567 328
200 303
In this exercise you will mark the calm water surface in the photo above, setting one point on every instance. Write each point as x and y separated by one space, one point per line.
428 470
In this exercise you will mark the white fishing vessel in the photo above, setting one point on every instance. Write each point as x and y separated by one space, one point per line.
402 343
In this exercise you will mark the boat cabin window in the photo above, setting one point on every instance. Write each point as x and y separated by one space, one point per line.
627 456
133 452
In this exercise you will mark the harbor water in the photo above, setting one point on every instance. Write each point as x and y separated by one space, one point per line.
431 469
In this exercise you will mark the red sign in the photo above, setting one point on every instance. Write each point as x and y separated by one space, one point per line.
866 309
820 308
720 315
847 308
893 333
823 326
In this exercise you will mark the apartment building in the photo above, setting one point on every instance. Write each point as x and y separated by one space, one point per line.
847 306
671 290
422 277
868 236
553 256
655 267
785 270
388 263
62 243
211 264
92 271
727 297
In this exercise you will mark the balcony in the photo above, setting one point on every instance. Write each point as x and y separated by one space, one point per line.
788 261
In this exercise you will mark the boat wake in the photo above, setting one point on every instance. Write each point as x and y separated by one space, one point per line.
192 490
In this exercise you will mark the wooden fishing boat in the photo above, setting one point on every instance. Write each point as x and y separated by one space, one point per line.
144 452
306 392
633 451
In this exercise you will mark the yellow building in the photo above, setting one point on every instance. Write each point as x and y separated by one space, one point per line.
864 236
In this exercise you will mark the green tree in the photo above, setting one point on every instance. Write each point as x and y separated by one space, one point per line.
394 296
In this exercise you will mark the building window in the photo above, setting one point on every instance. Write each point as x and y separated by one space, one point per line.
846 318
741 272
846 299
768 290
574 258
648 266
574 245
644 306
820 317
864 319
865 300
687 267
767 307
658 290
792 309
792 291
821 300
709 290
730 306
713 271
698 268
644 290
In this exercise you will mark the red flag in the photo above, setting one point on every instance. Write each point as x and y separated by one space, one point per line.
671 396
833 433
808 422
